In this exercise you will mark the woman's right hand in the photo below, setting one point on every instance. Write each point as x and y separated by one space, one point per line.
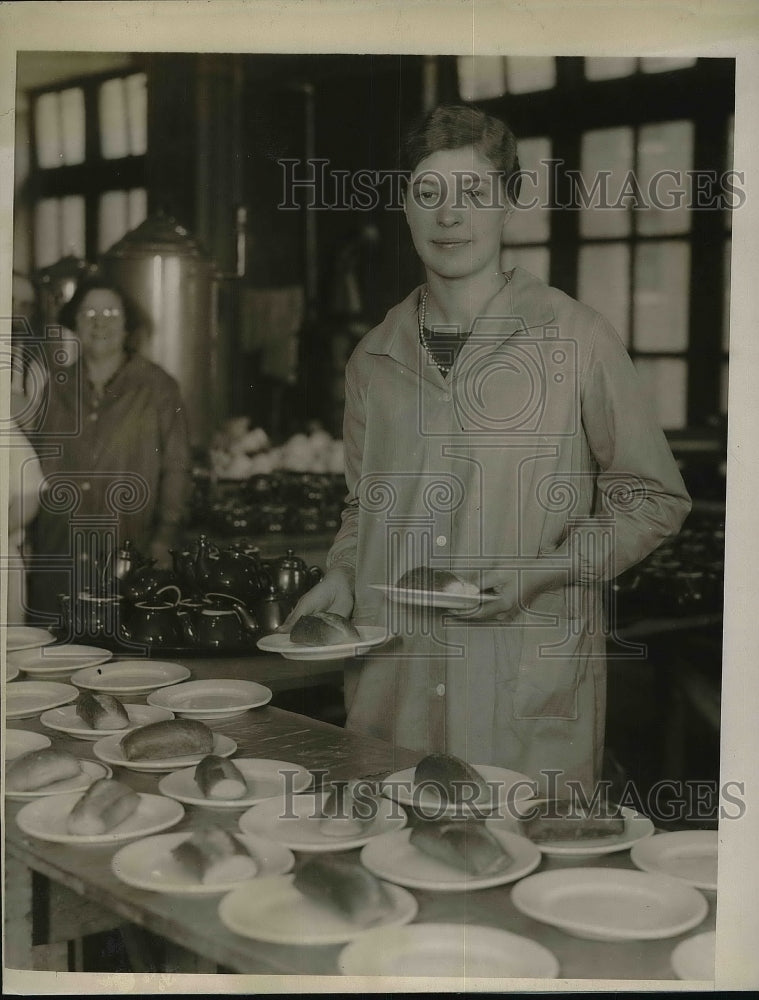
334 592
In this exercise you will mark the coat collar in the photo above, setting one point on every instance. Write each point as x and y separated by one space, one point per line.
523 304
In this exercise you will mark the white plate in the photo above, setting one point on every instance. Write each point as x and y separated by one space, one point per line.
464 951
25 699
109 751
694 958
434 598
277 912
65 720
25 637
91 771
394 858
610 904
371 635
18 741
506 787
637 827
296 824
52 660
264 779
690 855
130 676
11 672
213 699
148 864
47 818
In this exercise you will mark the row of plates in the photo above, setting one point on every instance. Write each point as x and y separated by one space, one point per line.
216 699
597 903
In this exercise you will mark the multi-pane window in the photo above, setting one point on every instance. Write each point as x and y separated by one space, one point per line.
88 169
626 243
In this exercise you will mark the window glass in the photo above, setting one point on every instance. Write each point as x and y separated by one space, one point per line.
137 113
481 77
603 282
665 381
47 232
72 125
665 153
660 297
529 73
660 64
47 131
137 207
72 226
609 67
536 260
606 163
532 223
114 135
113 220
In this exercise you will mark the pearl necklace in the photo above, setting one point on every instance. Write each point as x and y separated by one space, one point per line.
422 313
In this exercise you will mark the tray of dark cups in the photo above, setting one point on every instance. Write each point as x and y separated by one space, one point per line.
213 602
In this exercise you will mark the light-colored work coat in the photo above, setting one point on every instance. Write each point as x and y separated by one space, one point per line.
539 444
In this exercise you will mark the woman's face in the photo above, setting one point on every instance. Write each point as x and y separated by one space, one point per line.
456 211
100 324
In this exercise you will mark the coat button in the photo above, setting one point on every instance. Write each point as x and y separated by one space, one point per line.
440 689
441 540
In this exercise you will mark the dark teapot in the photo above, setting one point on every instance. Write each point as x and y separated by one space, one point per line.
220 625
272 610
228 571
91 617
292 577
145 581
154 622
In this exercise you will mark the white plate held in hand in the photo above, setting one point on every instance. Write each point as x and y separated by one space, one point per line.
149 864
463 951
47 819
279 642
610 904
265 779
434 598
213 699
277 912
65 720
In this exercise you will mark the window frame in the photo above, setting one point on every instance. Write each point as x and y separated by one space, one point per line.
703 94
96 175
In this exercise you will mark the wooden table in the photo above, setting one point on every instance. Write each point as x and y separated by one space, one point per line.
85 896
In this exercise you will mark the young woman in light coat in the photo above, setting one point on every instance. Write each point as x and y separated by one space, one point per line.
496 428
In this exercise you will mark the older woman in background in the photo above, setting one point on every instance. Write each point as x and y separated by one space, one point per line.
114 437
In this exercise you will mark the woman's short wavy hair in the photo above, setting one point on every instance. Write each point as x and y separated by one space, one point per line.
451 126
132 320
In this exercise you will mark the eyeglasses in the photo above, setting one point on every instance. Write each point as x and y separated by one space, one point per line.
108 313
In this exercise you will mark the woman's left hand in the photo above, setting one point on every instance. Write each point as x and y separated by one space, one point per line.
514 590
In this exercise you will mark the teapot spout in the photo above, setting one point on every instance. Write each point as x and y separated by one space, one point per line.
245 618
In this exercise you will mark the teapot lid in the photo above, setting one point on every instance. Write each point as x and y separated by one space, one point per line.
290 561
